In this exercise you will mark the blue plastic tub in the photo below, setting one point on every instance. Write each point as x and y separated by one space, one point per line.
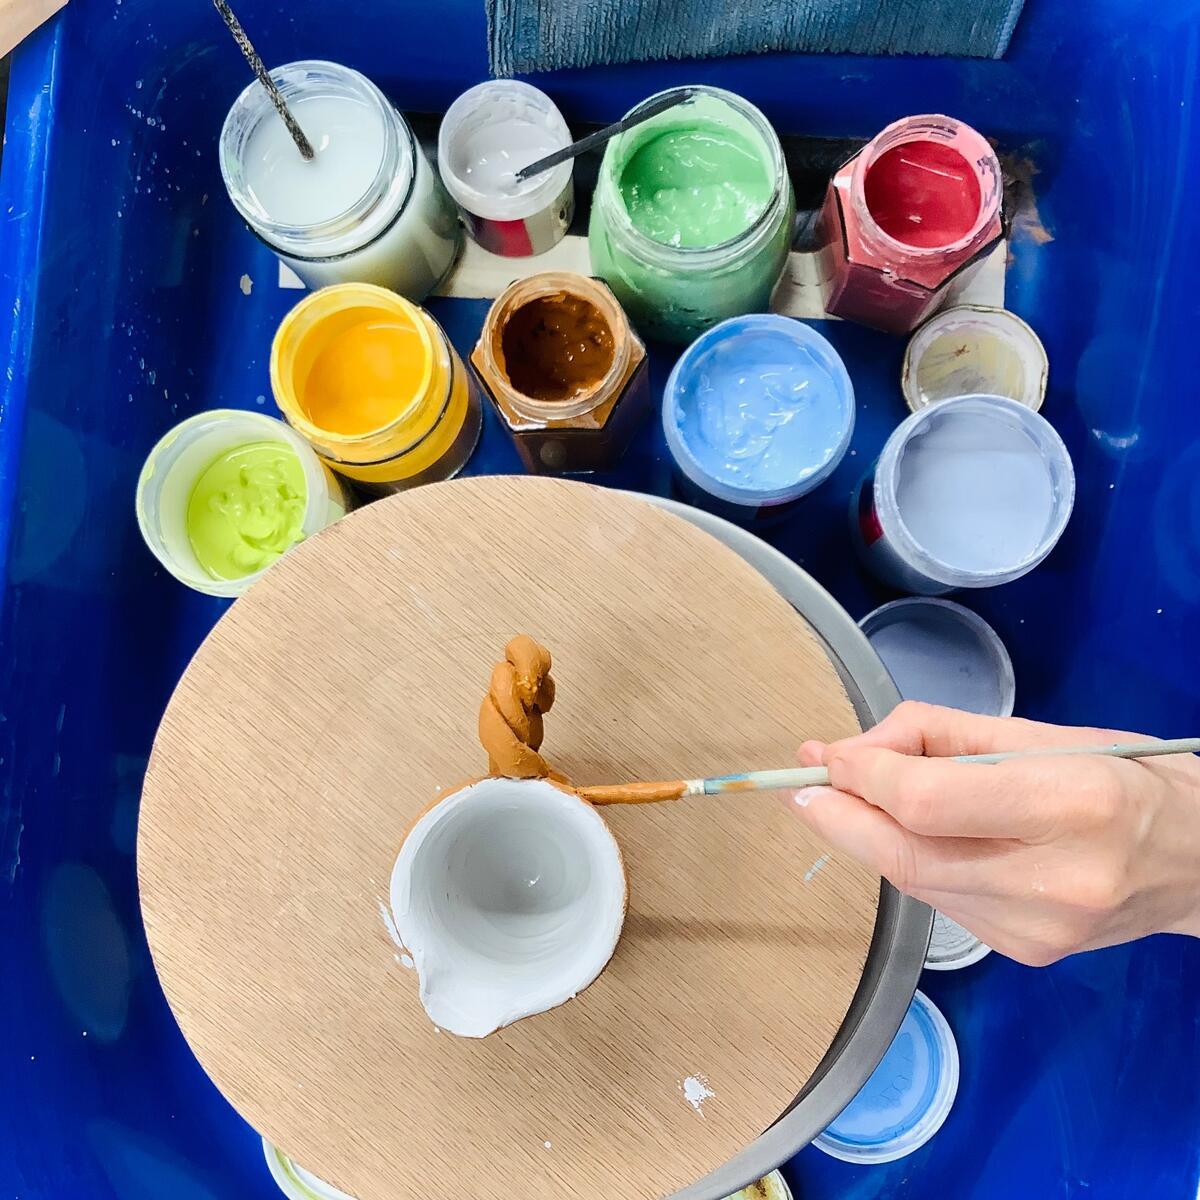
122 309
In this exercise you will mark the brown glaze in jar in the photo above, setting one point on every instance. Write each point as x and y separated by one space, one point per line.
565 371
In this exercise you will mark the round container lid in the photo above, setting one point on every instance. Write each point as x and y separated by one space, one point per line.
906 1099
770 1187
942 653
952 947
295 1182
973 349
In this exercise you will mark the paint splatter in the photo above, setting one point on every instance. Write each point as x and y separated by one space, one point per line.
548 1145
246 284
389 924
812 871
406 961
695 1091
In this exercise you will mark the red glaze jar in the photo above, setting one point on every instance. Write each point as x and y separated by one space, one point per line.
912 211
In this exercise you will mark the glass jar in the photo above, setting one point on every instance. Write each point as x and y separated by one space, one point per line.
374 385
565 371
756 412
488 133
714 162
911 212
367 208
251 504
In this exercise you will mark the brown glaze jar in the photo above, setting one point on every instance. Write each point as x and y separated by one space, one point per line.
565 371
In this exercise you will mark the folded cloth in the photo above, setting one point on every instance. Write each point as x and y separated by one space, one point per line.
544 35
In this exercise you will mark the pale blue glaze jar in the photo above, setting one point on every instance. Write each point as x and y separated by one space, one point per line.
757 412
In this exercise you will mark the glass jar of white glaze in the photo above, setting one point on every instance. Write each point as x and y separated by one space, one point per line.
672 288
368 208
488 134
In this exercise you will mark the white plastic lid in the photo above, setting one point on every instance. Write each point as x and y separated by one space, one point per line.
974 349
952 947
908 1096
295 1182
943 653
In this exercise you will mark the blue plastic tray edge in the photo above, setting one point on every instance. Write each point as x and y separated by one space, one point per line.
24 172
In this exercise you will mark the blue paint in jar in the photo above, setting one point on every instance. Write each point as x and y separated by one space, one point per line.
757 412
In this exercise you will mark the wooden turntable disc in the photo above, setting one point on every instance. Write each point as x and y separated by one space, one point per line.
320 716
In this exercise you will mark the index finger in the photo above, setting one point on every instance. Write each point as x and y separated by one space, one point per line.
927 729
938 797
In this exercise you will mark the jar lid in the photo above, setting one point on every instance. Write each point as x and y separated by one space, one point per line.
295 1182
951 947
973 349
908 1096
943 653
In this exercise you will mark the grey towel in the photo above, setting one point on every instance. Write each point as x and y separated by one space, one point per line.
543 35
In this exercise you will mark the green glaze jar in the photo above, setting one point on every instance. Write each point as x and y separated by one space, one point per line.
692 215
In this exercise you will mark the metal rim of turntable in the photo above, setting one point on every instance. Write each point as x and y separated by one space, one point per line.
903 925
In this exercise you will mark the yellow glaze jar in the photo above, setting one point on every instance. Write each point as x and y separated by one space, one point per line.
372 382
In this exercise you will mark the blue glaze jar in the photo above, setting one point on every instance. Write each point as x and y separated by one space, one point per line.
757 412
908 1096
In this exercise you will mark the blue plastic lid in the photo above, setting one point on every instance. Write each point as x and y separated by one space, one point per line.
906 1099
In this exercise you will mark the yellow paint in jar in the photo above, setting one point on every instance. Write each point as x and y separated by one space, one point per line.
372 382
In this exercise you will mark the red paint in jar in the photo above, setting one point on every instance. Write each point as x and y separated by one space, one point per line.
923 194
917 207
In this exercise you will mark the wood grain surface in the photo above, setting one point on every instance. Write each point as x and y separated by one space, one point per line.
323 712
19 18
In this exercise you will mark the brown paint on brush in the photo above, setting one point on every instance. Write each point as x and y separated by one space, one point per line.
634 793
555 348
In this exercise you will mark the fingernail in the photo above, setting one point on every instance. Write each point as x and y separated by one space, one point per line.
804 795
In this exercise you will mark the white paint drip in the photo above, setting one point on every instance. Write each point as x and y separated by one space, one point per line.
389 924
808 875
548 1145
406 961
695 1091
246 284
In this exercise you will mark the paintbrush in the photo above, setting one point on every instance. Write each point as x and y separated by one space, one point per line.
264 77
802 777
575 149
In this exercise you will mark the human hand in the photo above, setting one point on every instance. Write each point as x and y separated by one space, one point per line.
1038 857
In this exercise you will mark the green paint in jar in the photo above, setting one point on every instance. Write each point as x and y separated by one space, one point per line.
692 216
